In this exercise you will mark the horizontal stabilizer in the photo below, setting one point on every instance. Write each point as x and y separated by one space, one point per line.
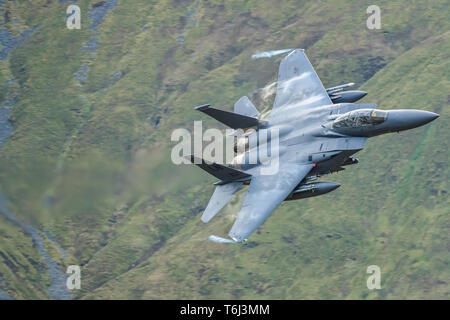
245 107
221 196
219 171
233 120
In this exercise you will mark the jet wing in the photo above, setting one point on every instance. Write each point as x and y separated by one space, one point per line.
265 193
298 84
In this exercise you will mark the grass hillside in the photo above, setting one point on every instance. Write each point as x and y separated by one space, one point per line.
88 161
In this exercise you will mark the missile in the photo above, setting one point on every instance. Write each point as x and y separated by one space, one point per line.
312 190
339 88
338 95
347 96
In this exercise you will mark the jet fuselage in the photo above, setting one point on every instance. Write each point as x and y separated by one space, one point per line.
327 136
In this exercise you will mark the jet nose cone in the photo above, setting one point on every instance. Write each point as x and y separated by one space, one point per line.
426 116
418 118
433 116
408 119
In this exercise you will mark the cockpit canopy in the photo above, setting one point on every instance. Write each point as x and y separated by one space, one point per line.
359 118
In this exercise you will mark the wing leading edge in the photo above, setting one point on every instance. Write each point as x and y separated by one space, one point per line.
265 193
298 84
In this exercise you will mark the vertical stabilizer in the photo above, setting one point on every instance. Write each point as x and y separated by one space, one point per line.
245 107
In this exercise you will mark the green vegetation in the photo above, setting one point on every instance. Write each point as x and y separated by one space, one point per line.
89 161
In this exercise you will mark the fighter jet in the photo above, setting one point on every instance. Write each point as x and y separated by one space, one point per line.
318 132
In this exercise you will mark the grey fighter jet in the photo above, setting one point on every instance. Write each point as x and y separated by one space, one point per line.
318 132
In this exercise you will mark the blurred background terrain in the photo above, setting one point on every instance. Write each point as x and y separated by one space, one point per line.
85 171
